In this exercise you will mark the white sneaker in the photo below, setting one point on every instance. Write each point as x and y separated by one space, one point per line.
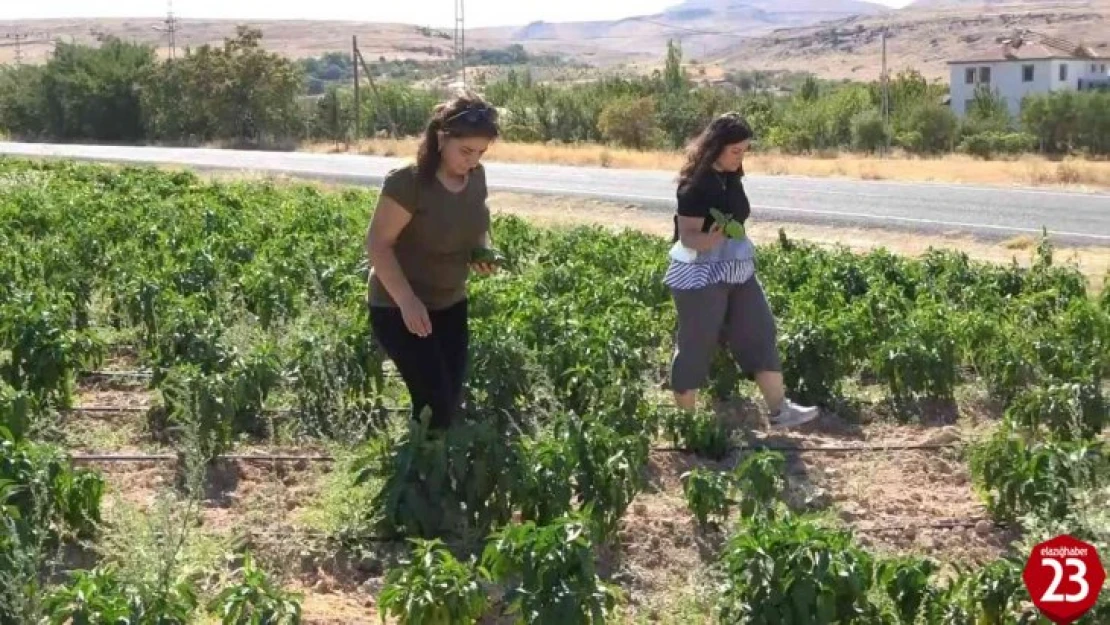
793 415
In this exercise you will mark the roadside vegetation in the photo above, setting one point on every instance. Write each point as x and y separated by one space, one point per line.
239 95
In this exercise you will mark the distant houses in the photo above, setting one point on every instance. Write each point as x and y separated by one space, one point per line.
1022 66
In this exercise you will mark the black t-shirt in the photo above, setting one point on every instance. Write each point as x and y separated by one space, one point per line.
713 189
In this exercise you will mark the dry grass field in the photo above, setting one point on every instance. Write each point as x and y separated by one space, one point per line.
1023 171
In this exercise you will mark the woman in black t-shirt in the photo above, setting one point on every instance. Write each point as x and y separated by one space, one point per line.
712 278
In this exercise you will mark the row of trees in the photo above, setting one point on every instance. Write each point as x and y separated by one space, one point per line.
338 69
665 110
120 92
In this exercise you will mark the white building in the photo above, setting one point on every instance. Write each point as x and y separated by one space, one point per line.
1022 67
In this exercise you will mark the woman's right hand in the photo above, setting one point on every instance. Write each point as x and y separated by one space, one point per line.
416 317
714 237
694 235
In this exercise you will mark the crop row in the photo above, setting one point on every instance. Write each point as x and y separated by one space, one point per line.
777 565
45 504
227 276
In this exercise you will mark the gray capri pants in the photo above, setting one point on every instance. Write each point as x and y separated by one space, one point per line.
735 316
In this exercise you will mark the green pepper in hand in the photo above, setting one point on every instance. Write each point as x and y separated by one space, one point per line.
732 228
486 260
487 255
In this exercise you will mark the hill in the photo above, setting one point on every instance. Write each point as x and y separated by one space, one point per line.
994 4
709 25
293 38
833 38
716 25
923 36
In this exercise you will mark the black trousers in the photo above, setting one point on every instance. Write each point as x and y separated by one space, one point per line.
434 367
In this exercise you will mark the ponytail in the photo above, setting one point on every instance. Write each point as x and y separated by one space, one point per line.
427 155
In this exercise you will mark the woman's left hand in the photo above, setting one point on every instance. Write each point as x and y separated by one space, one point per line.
484 269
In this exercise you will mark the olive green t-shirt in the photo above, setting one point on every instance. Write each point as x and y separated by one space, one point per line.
434 247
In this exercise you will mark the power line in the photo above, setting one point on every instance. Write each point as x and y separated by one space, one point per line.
694 31
677 31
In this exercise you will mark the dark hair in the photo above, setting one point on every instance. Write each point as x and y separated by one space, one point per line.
463 117
725 130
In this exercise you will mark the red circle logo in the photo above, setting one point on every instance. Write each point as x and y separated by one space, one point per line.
1064 577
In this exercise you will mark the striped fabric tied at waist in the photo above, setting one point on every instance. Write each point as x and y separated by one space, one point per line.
684 276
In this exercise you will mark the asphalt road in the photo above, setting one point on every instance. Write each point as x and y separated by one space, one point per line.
985 212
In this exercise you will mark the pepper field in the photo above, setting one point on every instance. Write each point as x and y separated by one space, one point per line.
197 426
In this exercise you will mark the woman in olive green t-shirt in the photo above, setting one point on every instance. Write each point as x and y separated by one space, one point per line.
430 217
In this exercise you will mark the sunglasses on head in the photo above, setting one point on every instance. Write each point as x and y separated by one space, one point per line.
476 115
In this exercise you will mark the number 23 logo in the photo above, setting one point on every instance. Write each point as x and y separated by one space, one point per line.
1079 577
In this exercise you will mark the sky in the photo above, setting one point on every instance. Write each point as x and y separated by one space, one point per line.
423 12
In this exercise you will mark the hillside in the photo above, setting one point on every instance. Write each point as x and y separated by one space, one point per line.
834 39
992 4
294 38
707 25
711 25
925 38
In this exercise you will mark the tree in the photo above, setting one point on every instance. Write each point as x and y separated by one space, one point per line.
825 123
868 133
1069 121
927 128
907 89
92 92
239 91
988 113
629 121
682 115
810 90
332 119
674 76
21 100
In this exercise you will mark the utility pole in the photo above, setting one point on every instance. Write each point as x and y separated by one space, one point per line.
18 40
460 40
376 99
886 100
358 99
18 47
170 29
